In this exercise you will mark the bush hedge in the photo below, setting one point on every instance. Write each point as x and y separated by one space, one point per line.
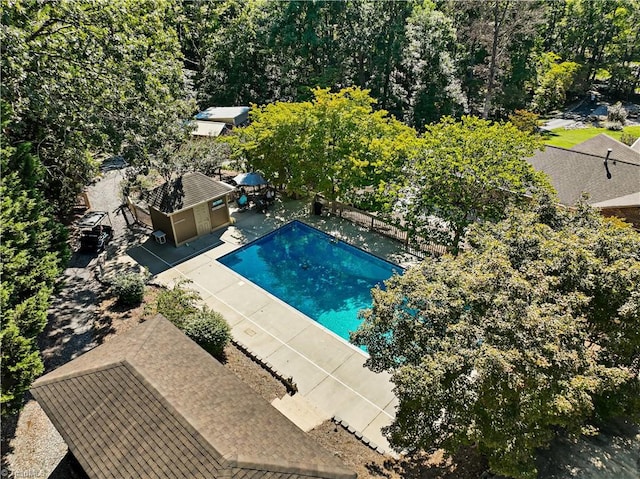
129 288
209 329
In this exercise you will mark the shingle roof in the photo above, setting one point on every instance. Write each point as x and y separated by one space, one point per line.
599 144
572 173
186 191
151 403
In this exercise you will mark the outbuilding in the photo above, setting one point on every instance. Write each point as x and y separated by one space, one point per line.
189 206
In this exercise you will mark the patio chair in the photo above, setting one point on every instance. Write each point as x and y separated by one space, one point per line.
243 202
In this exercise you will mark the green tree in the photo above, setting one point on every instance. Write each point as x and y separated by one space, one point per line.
554 80
430 85
91 78
495 36
532 331
525 121
33 251
336 144
466 171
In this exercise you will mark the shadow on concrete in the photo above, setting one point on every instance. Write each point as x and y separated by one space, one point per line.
161 257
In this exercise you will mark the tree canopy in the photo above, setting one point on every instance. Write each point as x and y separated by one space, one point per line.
89 79
531 331
335 144
420 59
466 170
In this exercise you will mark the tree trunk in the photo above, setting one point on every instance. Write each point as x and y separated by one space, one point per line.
498 19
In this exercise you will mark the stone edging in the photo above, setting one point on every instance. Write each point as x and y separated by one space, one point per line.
358 435
288 382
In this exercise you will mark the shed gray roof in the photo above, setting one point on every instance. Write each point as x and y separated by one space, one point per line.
186 191
573 172
151 403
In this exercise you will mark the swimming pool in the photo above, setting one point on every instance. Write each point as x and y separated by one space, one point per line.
324 278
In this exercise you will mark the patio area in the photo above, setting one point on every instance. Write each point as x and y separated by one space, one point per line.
329 372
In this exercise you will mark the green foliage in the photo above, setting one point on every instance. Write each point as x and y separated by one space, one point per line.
429 83
21 365
628 138
209 329
613 125
206 327
526 121
33 250
554 79
129 288
177 303
467 171
335 144
90 78
533 330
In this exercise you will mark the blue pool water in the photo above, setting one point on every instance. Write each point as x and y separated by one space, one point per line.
326 279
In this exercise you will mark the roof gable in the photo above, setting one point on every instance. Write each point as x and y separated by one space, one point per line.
186 191
153 395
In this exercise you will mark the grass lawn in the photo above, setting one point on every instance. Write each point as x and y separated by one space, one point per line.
568 138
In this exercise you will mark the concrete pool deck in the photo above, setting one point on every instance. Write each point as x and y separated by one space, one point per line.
329 372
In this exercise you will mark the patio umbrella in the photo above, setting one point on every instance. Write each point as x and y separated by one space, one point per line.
249 179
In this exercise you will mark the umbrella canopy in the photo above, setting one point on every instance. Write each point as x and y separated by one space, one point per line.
250 179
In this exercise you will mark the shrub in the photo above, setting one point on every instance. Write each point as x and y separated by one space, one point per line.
617 114
209 329
613 125
628 139
177 303
129 288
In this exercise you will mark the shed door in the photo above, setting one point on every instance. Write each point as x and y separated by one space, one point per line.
203 220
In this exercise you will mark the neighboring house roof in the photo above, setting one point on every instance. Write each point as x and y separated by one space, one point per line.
573 173
208 128
599 144
233 115
152 403
186 191
626 201
636 145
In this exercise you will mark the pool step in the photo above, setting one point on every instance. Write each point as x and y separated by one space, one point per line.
300 411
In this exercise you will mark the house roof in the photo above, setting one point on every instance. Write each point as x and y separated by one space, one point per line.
208 128
599 144
573 173
186 191
233 115
626 201
152 403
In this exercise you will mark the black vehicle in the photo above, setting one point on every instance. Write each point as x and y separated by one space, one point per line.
95 231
